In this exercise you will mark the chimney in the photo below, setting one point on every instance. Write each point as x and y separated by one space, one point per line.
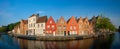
38 15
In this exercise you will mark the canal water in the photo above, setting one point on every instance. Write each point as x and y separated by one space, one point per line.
107 42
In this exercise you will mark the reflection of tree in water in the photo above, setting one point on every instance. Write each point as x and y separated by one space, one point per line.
103 42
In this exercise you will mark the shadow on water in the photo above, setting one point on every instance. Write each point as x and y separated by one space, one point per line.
103 42
116 42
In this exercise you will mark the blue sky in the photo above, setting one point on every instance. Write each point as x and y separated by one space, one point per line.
14 10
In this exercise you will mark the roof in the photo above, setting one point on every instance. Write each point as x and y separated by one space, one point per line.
61 18
79 19
42 19
71 18
25 21
34 15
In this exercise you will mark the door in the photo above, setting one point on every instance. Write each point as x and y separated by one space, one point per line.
68 32
64 33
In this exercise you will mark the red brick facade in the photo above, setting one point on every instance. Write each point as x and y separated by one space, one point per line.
23 27
72 26
61 27
50 26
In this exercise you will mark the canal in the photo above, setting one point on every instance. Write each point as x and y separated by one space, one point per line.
107 42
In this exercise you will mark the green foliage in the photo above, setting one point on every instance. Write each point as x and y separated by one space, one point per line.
104 23
9 27
3 29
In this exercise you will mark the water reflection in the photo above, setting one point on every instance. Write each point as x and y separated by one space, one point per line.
107 42
103 42
77 44
7 42
116 42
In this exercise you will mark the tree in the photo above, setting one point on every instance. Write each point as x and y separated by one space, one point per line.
104 23
9 27
3 29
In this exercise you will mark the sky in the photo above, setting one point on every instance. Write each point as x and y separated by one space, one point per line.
14 10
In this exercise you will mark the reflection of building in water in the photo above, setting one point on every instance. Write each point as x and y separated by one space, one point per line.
76 44
51 45
36 45
23 43
81 44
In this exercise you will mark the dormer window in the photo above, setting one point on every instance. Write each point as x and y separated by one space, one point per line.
50 22
72 22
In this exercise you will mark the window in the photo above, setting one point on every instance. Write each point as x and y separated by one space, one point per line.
53 26
48 26
64 27
41 25
34 24
74 27
59 27
34 19
38 25
43 30
50 22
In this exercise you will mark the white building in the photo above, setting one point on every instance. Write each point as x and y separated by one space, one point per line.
36 25
40 26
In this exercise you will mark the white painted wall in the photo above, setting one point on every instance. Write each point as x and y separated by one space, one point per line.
40 29
31 22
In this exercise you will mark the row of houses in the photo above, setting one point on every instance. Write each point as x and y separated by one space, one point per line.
43 26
